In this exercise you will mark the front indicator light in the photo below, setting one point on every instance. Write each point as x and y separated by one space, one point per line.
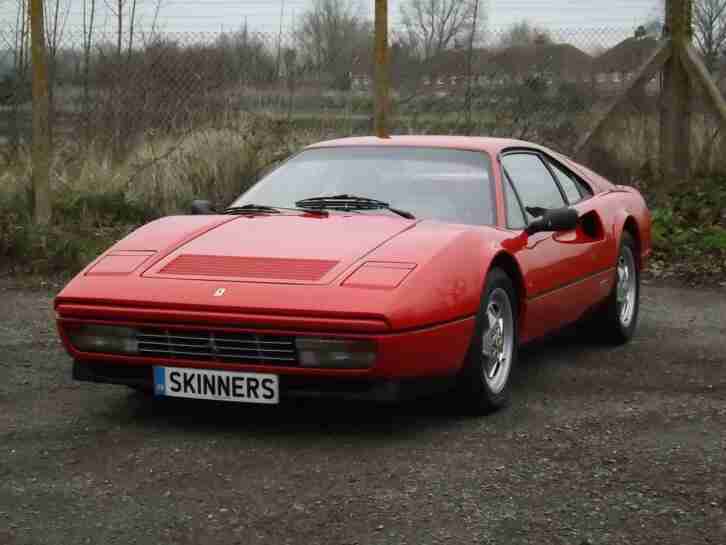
336 353
105 339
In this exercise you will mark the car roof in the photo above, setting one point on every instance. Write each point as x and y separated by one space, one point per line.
473 143
490 145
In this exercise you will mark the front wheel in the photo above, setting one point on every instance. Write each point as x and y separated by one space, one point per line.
484 383
618 318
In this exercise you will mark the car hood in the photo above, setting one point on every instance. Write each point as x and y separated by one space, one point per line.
290 249
291 266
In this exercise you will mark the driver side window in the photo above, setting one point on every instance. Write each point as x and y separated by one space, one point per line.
515 214
534 183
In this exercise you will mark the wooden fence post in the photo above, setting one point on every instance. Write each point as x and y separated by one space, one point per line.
675 107
382 71
41 120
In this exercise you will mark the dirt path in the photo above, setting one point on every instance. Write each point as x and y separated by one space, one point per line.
602 445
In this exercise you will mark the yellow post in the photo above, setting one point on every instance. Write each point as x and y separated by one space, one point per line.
41 107
675 115
382 75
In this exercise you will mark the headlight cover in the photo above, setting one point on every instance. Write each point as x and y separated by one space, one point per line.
119 263
336 353
104 339
379 275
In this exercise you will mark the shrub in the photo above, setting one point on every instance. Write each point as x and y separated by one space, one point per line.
689 231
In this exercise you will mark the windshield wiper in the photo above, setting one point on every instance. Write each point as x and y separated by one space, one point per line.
252 208
263 209
350 202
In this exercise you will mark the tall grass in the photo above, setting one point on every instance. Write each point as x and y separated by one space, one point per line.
96 199
628 149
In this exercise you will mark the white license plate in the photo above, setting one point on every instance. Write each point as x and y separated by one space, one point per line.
216 385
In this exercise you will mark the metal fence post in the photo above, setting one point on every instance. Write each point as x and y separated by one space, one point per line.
41 125
382 75
675 117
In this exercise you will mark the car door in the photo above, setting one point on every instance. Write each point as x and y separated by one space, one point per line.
562 270
603 250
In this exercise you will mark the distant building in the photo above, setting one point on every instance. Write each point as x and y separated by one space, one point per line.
563 62
618 65
609 72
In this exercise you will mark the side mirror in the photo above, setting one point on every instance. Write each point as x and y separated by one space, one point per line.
200 208
561 219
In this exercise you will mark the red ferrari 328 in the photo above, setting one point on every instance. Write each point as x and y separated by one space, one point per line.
364 268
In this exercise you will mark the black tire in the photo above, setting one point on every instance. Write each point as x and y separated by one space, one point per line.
609 322
473 389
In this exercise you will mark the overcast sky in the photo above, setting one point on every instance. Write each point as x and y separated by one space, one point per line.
264 15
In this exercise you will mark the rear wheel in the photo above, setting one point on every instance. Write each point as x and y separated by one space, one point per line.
619 316
484 383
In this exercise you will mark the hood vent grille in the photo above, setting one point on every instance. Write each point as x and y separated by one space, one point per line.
310 270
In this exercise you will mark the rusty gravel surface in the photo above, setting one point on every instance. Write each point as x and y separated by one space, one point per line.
602 445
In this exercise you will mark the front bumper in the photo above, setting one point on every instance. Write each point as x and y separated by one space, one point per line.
430 352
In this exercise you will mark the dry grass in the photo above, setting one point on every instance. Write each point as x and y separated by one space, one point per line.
628 149
164 173
97 199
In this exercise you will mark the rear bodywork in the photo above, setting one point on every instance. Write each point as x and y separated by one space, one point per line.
411 286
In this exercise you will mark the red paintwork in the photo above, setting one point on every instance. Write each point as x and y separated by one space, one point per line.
413 286
407 354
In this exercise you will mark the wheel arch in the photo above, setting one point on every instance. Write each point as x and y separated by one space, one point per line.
631 227
510 266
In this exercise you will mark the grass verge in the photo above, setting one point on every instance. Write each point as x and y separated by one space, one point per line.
97 200
689 233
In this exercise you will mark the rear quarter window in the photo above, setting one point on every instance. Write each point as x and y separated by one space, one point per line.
575 189
583 174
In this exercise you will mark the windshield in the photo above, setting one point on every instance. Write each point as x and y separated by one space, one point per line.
431 183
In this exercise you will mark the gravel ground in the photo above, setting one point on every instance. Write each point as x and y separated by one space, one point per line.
602 445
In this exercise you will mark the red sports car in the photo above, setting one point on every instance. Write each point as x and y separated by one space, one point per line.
364 268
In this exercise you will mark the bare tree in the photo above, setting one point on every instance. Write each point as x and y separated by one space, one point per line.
120 9
329 34
709 22
22 40
55 16
289 58
15 86
124 12
155 19
89 19
18 90
709 29
132 21
116 7
523 34
432 26
470 68
151 34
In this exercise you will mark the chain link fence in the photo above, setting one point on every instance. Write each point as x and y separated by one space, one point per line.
112 94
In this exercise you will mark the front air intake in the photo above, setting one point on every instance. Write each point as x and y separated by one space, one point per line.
206 345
